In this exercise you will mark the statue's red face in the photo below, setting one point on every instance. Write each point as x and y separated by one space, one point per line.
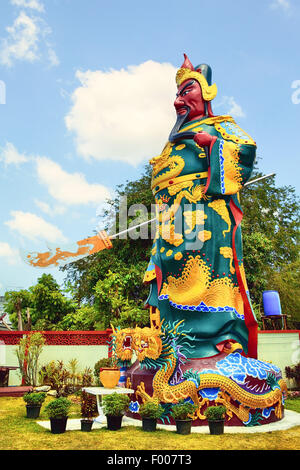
189 97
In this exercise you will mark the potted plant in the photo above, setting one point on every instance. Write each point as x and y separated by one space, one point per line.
57 411
114 408
150 412
34 401
182 413
216 418
88 405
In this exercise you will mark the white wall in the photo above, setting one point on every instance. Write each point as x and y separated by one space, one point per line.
282 349
87 356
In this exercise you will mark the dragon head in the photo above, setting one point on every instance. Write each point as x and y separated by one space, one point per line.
147 343
123 343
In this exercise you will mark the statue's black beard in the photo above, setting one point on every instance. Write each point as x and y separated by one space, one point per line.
175 135
181 119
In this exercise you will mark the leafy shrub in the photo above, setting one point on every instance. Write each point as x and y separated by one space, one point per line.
88 405
58 408
151 409
115 404
66 380
34 398
214 413
183 410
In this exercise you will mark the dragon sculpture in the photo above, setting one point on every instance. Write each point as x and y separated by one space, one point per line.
241 384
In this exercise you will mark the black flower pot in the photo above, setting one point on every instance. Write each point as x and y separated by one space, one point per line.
149 424
183 426
33 411
216 426
114 422
86 425
58 425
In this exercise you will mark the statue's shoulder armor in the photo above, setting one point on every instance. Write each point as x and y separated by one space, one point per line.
229 130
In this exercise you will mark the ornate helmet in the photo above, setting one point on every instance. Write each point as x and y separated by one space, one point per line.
202 73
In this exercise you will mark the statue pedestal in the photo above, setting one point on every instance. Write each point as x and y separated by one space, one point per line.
251 390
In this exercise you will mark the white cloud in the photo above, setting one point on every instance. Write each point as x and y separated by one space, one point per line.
235 109
22 41
47 209
10 155
33 227
123 115
283 4
230 106
10 254
52 56
26 38
69 188
33 4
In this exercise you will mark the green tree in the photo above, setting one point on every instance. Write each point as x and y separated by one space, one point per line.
48 304
84 318
118 300
16 305
44 304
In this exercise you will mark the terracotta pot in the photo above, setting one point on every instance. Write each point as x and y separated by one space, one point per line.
109 377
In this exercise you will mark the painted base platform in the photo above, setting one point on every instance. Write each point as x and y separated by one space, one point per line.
246 387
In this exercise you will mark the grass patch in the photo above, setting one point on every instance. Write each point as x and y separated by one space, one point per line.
24 434
292 404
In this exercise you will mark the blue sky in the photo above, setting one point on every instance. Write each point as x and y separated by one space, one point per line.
89 89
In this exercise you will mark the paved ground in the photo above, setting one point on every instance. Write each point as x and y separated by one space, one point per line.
290 420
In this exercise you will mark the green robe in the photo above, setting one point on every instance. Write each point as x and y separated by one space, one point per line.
196 269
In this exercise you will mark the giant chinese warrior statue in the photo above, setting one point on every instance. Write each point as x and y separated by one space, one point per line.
201 345
197 275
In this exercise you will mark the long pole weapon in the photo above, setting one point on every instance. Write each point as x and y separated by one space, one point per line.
56 257
154 218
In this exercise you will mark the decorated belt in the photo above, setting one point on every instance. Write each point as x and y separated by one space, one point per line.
180 179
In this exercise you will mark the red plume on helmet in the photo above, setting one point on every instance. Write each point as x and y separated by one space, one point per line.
187 64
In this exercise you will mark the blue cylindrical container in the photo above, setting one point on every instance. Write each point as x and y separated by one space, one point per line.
271 302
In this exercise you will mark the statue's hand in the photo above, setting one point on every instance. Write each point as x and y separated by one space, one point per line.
203 139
